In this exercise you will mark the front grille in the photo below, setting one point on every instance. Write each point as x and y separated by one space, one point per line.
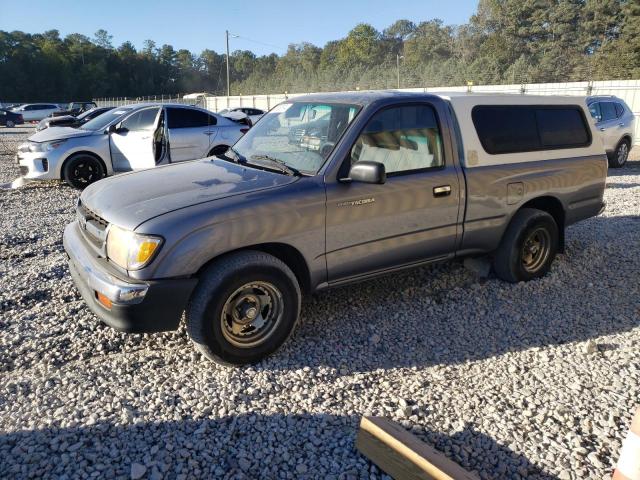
93 226
45 165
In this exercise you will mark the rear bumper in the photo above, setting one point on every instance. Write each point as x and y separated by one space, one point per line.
141 307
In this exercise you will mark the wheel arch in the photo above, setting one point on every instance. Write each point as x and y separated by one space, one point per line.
284 252
218 146
626 137
554 207
84 152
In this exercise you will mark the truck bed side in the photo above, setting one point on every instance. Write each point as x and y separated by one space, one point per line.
569 183
574 186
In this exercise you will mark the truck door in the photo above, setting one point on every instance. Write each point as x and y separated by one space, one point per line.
410 218
190 133
132 144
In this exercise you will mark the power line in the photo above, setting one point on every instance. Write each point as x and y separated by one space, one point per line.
259 42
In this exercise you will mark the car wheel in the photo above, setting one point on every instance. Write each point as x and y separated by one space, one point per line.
218 150
528 247
620 155
81 170
10 124
245 307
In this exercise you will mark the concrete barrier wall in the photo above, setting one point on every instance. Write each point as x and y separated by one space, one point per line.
628 90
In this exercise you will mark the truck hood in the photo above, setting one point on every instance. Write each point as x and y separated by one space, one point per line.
58 133
130 199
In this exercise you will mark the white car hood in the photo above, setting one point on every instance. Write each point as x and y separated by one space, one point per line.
58 133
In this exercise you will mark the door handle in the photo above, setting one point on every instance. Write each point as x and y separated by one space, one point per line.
442 191
208 133
145 138
602 129
621 124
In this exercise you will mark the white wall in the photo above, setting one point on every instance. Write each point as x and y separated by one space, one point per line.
628 90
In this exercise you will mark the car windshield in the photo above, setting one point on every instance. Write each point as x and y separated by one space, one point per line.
91 111
300 135
101 121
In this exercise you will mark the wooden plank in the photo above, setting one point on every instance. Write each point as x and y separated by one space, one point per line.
402 455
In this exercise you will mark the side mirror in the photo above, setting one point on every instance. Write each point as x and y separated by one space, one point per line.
367 172
118 128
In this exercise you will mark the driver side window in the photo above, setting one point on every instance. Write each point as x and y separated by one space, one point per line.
142 120
403 139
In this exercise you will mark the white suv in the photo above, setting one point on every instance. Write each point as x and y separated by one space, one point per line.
615 122
34 112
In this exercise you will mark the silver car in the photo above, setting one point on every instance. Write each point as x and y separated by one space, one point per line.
615 122
127 138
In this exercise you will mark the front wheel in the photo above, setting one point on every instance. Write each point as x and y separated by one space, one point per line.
528 247
10 124
244 308
81 170
620 155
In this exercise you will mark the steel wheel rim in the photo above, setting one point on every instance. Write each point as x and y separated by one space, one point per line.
535 250
252 314
623 152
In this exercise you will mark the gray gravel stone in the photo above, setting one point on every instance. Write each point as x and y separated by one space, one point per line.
494 375
137 471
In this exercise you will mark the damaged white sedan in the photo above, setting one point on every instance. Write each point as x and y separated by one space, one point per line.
133 137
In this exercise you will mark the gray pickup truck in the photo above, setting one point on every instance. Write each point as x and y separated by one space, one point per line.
330 189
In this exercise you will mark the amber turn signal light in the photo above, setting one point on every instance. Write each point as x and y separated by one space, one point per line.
104 301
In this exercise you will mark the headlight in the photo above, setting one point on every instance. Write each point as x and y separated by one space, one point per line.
131 250
46 146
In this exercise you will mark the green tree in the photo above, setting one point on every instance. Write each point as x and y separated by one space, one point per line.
103 39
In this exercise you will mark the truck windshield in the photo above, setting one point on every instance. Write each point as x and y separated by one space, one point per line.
101 121
300 135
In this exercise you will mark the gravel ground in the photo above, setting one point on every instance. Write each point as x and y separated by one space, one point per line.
535 380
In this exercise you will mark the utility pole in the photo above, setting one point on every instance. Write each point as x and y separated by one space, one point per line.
398 57
228 84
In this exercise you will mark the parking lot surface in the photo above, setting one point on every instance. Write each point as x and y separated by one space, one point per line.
535 380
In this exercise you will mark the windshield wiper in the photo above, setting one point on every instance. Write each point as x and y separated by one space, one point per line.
279 164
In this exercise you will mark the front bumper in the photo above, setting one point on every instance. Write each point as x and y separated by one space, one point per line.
38 165
140 307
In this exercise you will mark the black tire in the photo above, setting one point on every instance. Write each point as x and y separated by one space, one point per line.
620 155
514 261
218 150
10 124
81 170
216 302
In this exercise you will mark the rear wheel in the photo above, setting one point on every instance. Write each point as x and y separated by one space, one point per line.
528 247
244 308
620 155
81 170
